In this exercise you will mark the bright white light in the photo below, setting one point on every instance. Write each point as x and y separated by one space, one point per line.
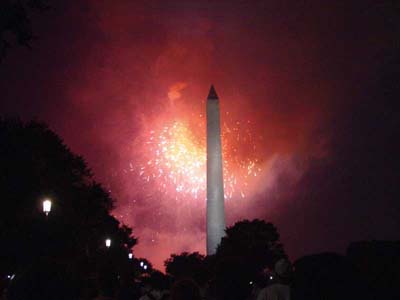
271 277
145 267
108 243
141 264
46 206
130 255
251 282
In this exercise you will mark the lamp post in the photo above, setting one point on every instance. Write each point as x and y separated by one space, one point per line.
108 243
46 206
143 265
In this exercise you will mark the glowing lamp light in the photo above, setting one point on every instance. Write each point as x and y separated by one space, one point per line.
108 243
145 267
141 264
130 255
46 206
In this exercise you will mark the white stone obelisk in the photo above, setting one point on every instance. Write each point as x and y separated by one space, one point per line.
215 183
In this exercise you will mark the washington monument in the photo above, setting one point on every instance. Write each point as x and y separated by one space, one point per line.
215 182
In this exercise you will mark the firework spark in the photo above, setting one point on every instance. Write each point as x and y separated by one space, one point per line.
175 159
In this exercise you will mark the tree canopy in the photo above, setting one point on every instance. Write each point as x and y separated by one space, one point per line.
36 165
256 242
187 265
247 249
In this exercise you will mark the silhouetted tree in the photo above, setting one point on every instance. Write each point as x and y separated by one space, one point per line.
255 242
45 280
36 164
157 280
246 250
187 265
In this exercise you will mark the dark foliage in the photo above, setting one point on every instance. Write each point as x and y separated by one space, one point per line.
157 280
35 164
187 265
45 280
248 248
256 242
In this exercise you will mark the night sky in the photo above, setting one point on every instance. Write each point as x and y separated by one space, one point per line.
309 95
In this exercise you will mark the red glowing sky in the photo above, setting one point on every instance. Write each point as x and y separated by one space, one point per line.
104 74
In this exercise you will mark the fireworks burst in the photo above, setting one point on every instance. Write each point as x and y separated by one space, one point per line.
178 160
174 161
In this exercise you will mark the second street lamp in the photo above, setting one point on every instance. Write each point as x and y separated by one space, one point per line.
46 206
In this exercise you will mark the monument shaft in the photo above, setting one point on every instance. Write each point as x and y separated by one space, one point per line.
215 183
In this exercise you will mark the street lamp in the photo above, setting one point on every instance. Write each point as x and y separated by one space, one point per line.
108 243
130 255
11 277
46 206
143 265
